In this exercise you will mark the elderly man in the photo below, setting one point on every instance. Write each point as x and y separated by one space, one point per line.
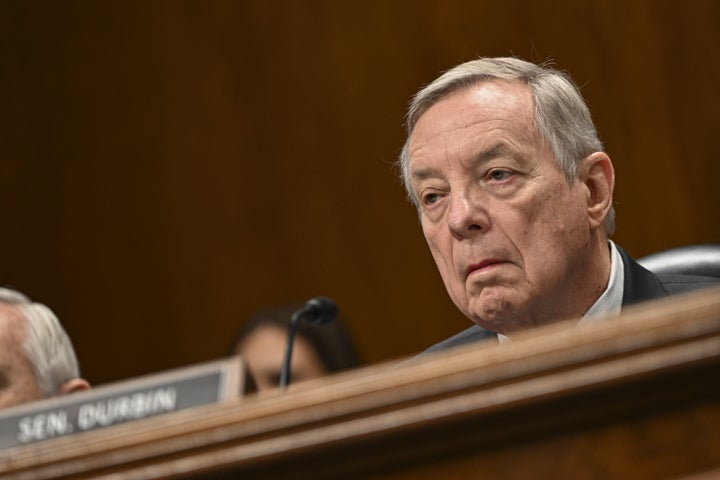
36 356
514 193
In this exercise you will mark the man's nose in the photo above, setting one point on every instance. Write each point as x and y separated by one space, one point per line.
466 216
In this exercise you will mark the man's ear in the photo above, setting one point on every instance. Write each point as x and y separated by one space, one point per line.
74 385
598 177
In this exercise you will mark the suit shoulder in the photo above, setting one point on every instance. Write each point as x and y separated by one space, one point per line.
469 335
675 284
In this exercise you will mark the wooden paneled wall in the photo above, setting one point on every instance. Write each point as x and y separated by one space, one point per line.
170 166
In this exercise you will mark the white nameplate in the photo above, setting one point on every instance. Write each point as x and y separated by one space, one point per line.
121 402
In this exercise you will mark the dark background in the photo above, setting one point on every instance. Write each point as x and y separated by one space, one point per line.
168 167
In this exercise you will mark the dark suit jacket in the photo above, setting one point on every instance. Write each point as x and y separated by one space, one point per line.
640 285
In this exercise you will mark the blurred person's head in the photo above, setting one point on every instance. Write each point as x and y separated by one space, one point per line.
318 350
37 359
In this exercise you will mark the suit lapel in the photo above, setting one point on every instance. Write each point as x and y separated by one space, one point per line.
640 284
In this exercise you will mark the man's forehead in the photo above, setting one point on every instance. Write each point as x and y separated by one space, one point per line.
483 98
11 322
12 338
493 103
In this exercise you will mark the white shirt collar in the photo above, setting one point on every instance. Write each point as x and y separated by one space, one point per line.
610 302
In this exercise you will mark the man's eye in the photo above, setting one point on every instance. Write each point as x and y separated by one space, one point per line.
430 198
499 175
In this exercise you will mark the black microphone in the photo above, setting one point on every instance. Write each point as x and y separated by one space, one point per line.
318 310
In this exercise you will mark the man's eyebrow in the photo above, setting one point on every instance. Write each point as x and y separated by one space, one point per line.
424 174
497 150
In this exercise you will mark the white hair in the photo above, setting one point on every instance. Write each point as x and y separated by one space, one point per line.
47 345
561 116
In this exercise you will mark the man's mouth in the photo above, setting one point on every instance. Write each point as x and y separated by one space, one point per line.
485 265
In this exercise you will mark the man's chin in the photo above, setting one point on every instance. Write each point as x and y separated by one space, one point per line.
497 314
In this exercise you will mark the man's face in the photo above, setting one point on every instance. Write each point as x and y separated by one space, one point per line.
508 232
17 379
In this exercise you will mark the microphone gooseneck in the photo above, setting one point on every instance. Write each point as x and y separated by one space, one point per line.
318 310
